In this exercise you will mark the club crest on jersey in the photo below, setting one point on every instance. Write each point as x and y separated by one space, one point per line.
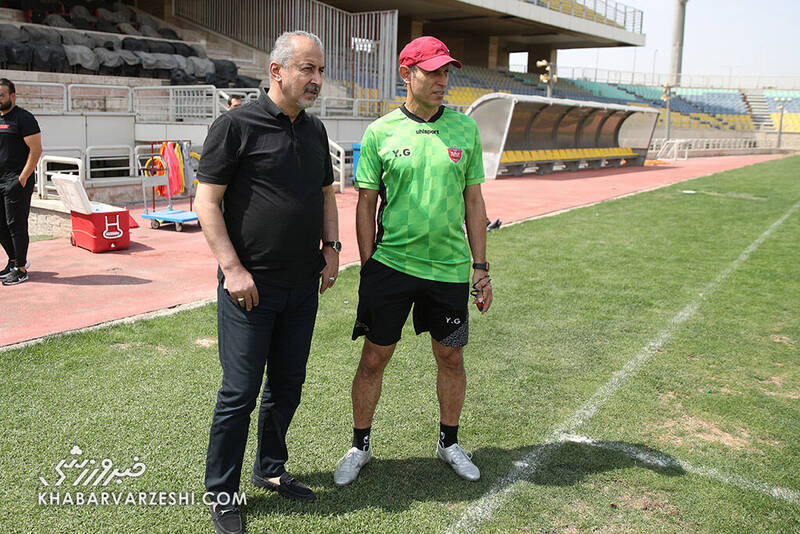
455 154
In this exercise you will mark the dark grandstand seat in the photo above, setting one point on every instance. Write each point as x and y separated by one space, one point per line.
180 77
41 34
105 41
168 33
159 47
128 29
166 61
57 21
105 26
4 46
10 32
48 56
134 45
20 53
115 17
199 51
143 19
225 70
203 67
217 81
76 38
80 11
149 31
184 64
124 9
132 64
150 63
110 59
81 23
183 49
81 56
246 81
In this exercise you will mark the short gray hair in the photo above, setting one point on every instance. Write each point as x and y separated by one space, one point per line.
283 50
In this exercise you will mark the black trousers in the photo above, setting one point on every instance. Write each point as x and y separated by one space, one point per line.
276 334
15 206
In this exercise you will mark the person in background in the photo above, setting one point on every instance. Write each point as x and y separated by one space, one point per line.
20 149
234 101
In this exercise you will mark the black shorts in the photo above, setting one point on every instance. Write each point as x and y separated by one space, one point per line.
385 296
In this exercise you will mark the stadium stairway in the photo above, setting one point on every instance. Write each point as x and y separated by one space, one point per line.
756 103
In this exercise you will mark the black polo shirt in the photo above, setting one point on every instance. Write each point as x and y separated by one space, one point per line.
15 126
274 171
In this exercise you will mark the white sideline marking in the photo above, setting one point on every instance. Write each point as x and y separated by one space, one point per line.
497 495
662 460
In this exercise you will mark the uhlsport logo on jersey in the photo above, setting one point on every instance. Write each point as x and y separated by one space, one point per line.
455 153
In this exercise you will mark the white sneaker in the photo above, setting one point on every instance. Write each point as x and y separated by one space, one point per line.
460 460
349 466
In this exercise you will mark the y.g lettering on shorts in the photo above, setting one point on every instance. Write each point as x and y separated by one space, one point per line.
385 297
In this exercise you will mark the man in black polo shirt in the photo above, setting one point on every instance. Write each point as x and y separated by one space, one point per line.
265 202
20 148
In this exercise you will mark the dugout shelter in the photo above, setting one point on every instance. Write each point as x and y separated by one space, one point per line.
524 131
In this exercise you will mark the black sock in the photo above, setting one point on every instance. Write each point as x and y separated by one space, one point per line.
361 438
447 435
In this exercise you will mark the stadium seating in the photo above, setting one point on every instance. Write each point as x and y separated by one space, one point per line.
692 108
569 158
791 112
111 39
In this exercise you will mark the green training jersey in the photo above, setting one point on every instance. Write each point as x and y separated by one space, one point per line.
420 170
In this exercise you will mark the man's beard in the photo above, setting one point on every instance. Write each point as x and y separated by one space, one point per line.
306 101
6 106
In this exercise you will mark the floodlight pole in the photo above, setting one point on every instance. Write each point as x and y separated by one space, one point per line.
783 101
668 97
676 68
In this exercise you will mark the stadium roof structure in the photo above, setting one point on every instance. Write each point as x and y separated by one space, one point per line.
561 24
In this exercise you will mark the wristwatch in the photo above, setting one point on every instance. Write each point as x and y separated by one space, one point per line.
335 245
482 266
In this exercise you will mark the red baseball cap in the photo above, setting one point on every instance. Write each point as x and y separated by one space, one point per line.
428 53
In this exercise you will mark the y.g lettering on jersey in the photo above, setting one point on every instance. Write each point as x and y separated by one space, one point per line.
400 152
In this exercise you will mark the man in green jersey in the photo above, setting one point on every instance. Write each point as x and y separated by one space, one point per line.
425 163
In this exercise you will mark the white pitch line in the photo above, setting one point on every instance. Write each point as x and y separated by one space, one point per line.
499 493
658 459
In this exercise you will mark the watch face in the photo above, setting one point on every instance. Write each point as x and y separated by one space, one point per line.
338 246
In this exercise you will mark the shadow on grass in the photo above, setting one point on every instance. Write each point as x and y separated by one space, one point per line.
395 485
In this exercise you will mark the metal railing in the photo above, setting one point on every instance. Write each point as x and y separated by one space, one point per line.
606 12
247 94
338 160
175 103
656 79
42 97
98 158
673 149
44 187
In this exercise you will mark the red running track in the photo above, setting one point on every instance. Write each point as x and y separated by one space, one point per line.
71 288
